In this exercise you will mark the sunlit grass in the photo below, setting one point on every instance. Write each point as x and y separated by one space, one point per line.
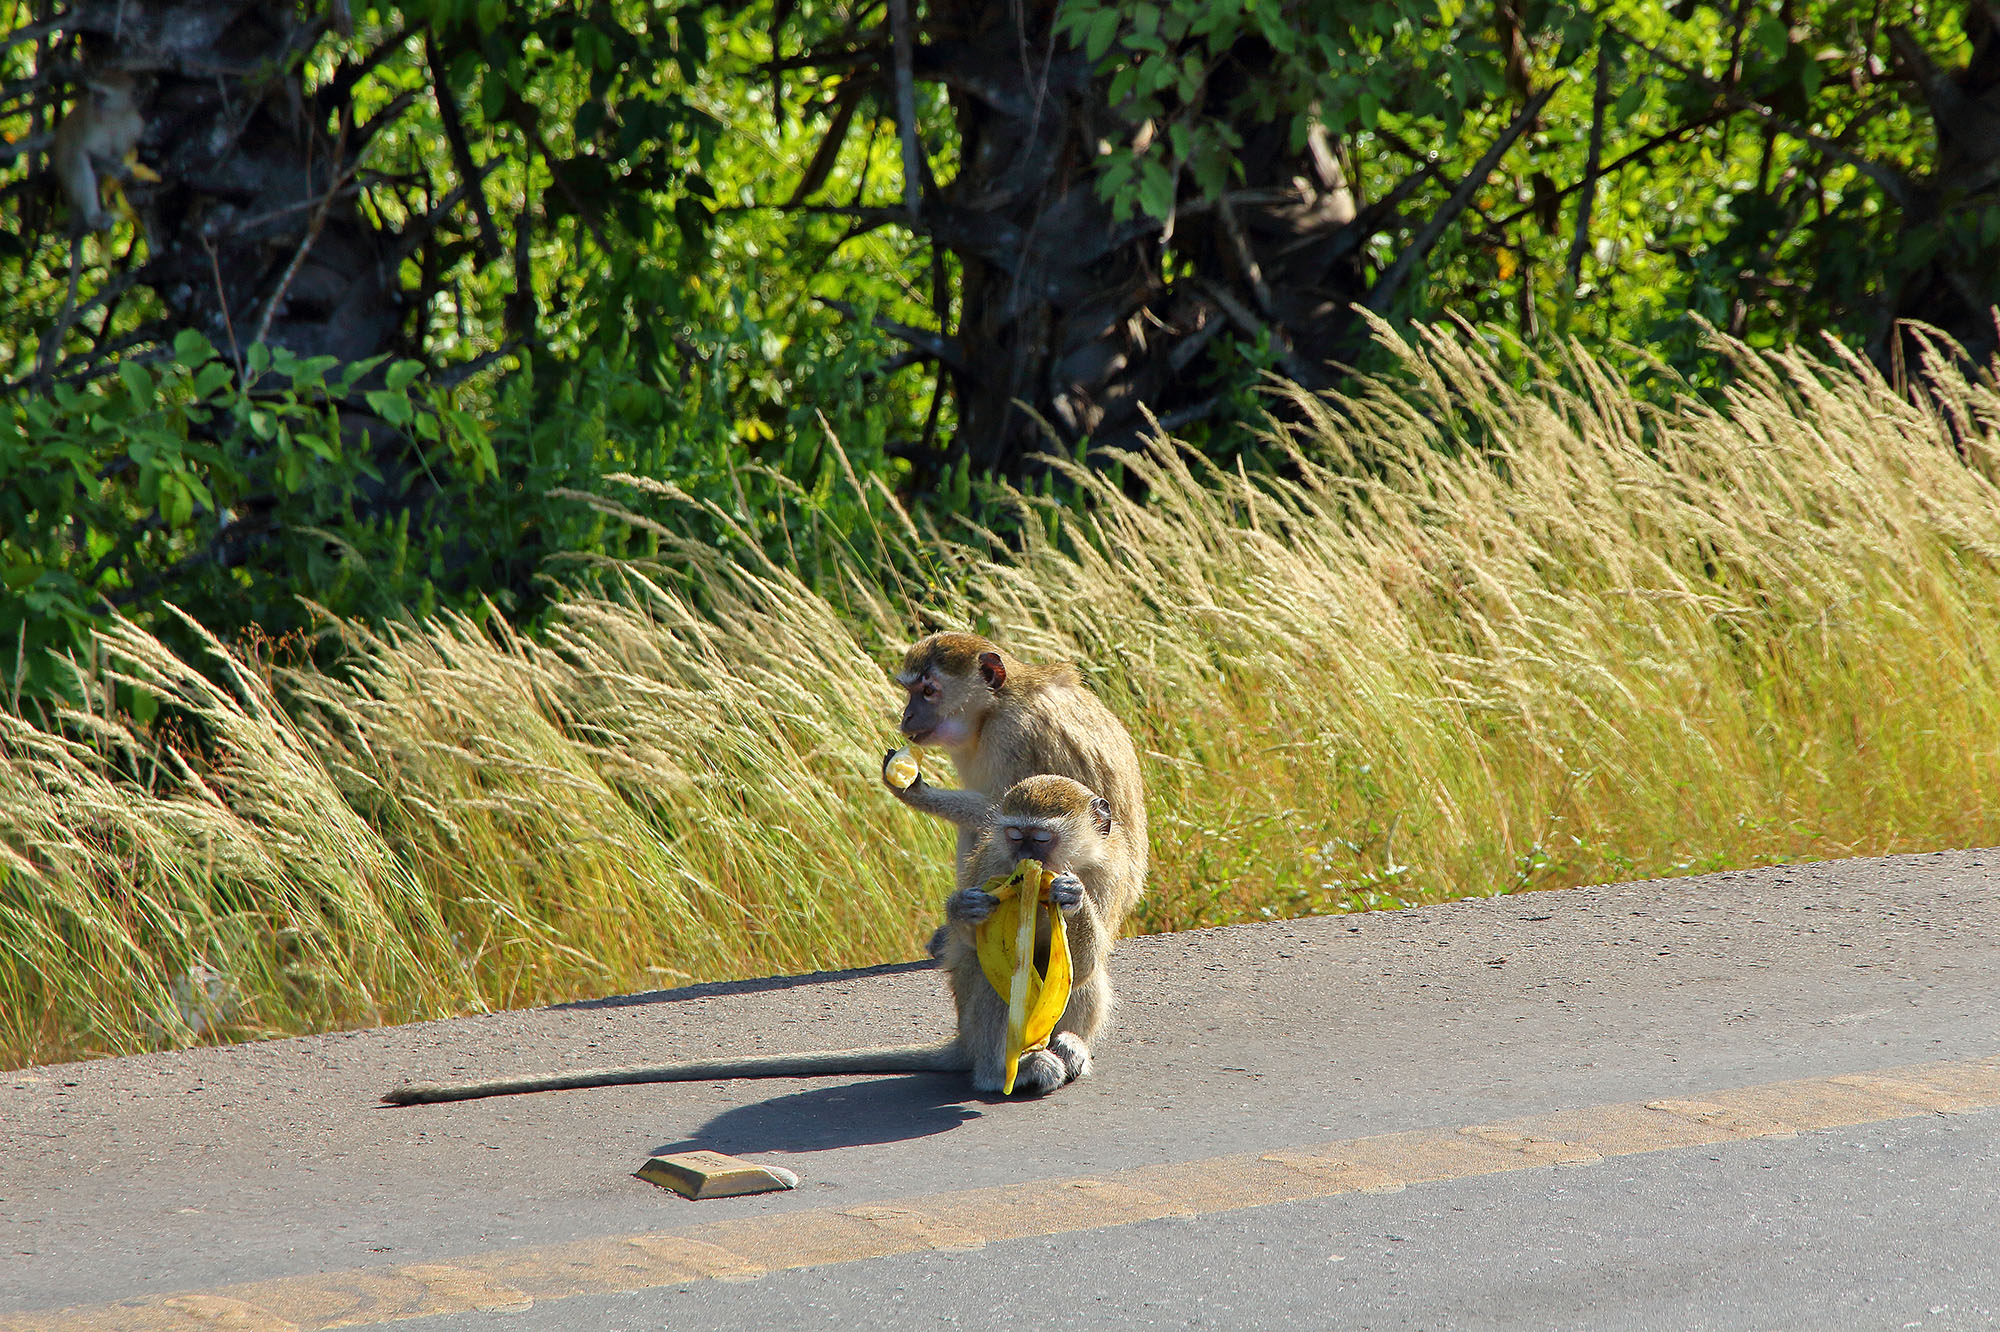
1477 639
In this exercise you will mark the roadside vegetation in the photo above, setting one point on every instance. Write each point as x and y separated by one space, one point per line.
1488 624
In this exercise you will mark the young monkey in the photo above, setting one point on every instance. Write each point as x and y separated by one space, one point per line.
101 132
1070 830
1055 820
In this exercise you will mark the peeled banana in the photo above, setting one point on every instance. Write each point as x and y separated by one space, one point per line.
1006 942
904 766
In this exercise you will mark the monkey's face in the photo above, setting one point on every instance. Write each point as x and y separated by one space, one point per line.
942 709
1066 845
1038 839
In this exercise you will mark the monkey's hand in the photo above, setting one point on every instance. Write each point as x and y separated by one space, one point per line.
1066 891
969 906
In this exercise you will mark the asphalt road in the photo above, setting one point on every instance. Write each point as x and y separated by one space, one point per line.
1757 1100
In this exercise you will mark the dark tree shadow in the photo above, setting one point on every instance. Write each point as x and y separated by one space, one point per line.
892 1109
756 985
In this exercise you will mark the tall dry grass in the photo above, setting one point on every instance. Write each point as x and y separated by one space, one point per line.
1478 638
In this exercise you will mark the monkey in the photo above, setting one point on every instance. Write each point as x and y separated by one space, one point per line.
1070 829
1055 820
1003 720
101 131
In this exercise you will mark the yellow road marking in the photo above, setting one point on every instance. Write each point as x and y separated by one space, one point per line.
747 1248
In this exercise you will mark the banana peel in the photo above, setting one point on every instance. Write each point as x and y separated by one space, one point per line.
1006 943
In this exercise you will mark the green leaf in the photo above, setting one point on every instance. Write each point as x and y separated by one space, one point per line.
391 407
191 348
1771 36
1103 28
210 379
1156 189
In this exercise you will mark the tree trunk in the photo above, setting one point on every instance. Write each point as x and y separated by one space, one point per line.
254 234
1073 322
1956 289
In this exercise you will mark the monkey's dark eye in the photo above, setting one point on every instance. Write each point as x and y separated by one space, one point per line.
931 693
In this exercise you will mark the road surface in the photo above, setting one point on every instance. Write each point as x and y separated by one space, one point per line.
1757 1100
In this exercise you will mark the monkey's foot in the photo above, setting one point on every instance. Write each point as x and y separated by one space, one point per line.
1040 1072
1075 1055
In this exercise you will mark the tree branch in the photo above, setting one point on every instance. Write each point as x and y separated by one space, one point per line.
342 172
935 345
1387 286
461 153
1600 99
1892 181
830 144
906 107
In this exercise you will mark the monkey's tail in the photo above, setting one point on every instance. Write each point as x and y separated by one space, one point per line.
876 1059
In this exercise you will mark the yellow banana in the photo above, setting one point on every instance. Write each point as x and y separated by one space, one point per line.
904 766
1006 942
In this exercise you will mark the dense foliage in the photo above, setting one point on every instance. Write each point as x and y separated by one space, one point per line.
418 277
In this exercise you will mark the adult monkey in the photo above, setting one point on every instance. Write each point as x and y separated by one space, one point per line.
1003 720
1054 820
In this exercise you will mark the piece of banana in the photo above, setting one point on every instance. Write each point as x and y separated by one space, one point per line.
905 766
1006 942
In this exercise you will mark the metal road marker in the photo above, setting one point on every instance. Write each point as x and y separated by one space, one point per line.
713 1175
747 1248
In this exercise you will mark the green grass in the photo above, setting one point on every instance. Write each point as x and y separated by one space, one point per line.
1478 639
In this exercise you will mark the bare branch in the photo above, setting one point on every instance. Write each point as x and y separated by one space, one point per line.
461 153
934 345
1893 182
1250 325
828 152
1246 260
342 173
1387 286
1600 99
1619 163
222 303
584 213
29 32
906 106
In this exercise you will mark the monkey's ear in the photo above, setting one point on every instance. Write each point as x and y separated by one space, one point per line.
992 670
1100 810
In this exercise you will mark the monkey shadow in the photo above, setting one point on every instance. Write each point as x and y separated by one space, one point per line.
879 1110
